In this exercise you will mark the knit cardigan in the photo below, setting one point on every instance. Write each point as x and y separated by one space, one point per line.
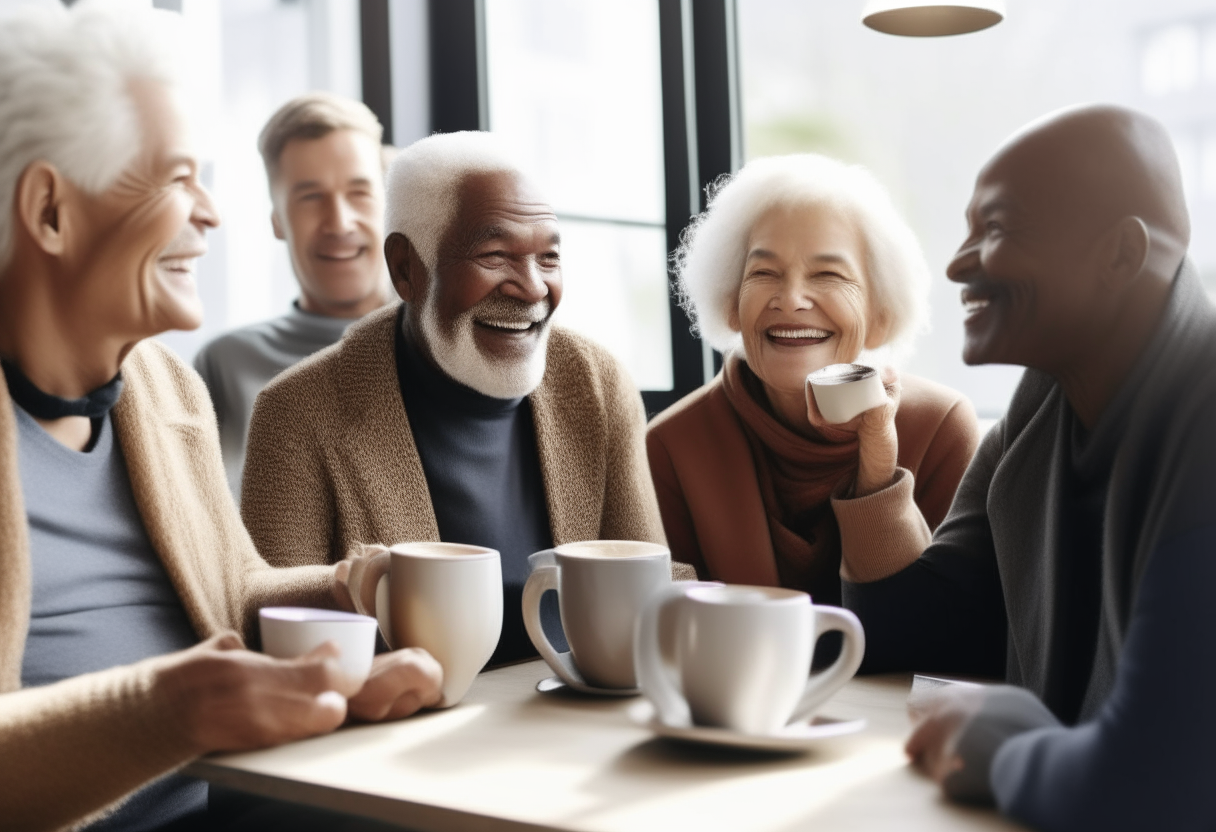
331 460
70 751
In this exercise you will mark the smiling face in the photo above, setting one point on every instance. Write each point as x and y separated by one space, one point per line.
328 196
485 312
803 303
136 244
1029 265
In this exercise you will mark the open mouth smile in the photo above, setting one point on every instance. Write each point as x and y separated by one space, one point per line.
976 299
339 257
790 336
510 327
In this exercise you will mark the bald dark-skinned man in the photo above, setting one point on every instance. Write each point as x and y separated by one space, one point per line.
1078 558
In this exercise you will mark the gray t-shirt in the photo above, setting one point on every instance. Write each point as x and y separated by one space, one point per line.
237 365
100 595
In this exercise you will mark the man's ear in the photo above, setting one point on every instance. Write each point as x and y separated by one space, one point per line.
276 225
41 190
404 266
1126 251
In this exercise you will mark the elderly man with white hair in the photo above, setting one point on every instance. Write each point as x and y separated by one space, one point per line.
460 414
120 546
798 263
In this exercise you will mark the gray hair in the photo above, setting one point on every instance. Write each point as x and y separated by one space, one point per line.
709 262
423 185
65 77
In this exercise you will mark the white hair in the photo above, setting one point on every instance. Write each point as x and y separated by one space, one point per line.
423 185
65 78
709 262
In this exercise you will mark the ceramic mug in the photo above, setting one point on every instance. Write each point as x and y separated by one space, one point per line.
443 597
844 391
601 586
290 632
739 657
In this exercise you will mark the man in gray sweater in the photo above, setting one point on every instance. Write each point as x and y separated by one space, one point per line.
325 166
1079 555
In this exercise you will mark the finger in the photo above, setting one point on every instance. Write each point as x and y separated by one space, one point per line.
225 641
318 671
341 586
400 683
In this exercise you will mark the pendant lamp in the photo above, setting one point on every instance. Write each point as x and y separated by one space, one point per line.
927 18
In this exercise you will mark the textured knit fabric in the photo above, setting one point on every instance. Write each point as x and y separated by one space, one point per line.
238 364
1140 757
71 749
332 460
746 500
483 476
101 597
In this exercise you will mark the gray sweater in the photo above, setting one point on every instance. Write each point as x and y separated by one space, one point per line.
1129 746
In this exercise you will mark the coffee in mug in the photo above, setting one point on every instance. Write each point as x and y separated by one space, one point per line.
845 391
601 586
739 657
443 597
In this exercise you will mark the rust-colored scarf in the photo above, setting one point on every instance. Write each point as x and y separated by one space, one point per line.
797 475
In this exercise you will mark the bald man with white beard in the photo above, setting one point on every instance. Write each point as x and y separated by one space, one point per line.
460 414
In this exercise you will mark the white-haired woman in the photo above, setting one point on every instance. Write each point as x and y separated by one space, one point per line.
800 262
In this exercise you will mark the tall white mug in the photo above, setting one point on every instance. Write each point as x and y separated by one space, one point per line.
601 586
443 597
739 657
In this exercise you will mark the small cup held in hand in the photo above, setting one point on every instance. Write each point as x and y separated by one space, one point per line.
290 632
443 597
601 586
845 391
739 657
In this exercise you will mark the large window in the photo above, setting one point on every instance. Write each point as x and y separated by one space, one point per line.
925 114
574 90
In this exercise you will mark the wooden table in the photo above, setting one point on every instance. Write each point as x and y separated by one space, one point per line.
509 758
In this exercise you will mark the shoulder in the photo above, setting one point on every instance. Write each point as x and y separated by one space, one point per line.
926 405
155 378
235 344
574 362
701 406
701 420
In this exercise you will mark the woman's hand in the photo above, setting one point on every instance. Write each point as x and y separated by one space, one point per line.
400 683
877 442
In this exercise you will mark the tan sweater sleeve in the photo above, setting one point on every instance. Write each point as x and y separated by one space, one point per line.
880 533
70 751
630 510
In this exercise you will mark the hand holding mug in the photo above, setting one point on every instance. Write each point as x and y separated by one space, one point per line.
870 403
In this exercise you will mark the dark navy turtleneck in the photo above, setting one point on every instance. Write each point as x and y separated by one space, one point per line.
483 473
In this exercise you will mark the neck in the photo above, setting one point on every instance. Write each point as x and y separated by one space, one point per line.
61 349
790 409
351 310
1091 379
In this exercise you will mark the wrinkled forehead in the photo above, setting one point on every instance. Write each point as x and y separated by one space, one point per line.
499 203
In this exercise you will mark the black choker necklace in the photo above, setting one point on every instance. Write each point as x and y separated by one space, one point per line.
42 405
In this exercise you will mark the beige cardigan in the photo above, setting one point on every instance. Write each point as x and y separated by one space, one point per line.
71 750
331 460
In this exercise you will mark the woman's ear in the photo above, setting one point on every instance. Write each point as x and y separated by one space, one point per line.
878 329
732 317
39 200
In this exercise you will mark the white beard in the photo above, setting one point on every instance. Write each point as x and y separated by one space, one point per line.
458 356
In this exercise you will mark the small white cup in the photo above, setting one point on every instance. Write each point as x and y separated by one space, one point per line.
739 657
290 632
845 391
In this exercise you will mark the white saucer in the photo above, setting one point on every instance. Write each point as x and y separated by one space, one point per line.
575 682
798 736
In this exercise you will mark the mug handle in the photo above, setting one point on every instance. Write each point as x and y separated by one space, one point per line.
821 686
543 578
368 583
658 680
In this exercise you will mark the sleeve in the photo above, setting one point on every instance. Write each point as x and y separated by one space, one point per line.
1146 761
945 611
205 367
71 750
287 501
630 511
946 458
673 508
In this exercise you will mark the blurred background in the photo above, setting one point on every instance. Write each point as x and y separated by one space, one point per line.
625 109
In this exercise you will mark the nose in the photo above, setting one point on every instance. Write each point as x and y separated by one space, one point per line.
526 283
791 296
965 261
204 214
339 218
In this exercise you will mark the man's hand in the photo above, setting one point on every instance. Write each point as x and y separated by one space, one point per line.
938 721
400 683
877 441
231 699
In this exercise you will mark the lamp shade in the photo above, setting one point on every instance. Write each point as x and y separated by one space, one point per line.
922 19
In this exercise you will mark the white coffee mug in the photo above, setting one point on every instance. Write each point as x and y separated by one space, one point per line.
443 597
601 586
290 632
844 391
739 657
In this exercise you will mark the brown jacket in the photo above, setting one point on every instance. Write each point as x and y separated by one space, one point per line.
331 460
710 498
69 750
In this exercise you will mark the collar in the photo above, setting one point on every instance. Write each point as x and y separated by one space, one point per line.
41 405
